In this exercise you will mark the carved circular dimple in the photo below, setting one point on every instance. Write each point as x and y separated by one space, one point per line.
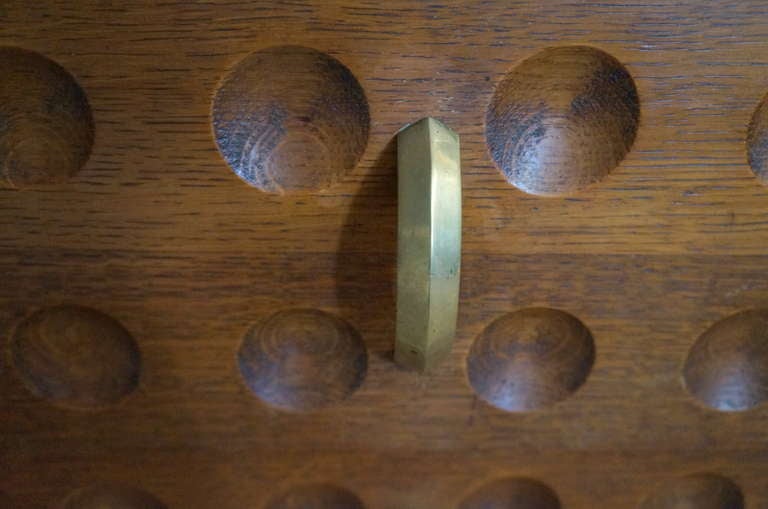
727 367
316 496
699 491
512 493
76 356
530 359
46 127
290 118
111 496
302 359
757 141
562 120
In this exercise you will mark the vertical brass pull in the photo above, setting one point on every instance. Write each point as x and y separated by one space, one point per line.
429 242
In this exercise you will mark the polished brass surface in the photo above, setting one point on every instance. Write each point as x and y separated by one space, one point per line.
429 242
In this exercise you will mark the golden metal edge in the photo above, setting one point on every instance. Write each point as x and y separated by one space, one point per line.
429 243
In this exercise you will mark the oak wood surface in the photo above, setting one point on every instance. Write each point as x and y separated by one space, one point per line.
157 232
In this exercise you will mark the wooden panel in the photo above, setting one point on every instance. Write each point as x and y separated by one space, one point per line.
157 232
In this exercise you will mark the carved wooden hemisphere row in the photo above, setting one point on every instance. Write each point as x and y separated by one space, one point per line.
702 491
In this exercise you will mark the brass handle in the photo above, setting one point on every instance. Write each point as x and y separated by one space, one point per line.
429 242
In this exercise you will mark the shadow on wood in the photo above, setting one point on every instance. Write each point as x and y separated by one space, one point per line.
367 256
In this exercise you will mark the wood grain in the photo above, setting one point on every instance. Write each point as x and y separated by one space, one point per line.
158 232
289 118
316 496
46 127
514 492
727 367
705 491
111 496
75 356
757 140
562 119
302 359
530 358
